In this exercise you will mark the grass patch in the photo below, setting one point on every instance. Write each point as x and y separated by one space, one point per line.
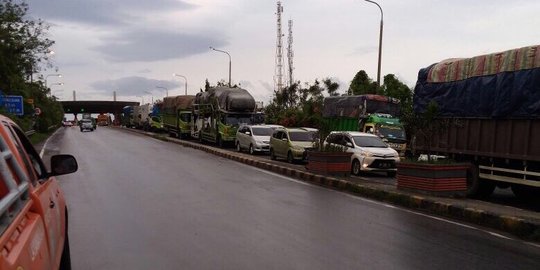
39 137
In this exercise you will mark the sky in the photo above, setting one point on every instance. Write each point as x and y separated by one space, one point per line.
133 47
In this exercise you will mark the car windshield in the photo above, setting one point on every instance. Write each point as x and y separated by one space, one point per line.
237 119
262 131
392 132
368 141
301 136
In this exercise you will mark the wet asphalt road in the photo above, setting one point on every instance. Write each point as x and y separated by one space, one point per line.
140 203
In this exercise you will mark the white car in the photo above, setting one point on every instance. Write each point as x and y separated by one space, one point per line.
370 153
254 138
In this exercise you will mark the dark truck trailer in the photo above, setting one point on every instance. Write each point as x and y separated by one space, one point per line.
491 105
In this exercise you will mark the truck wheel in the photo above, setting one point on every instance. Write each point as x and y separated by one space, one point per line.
290 158
477 187
272 154
526 193
356 167
219 141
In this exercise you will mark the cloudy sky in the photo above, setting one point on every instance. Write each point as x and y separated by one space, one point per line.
132 46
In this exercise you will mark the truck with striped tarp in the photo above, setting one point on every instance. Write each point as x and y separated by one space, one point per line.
493 104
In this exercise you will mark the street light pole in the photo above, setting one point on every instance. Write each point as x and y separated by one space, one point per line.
147 92
55 75
230 62
166 90
178 75
380 43
60 83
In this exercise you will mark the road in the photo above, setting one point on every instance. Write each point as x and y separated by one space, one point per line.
141 203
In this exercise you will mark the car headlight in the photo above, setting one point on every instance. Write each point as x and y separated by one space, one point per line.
259 142
367 154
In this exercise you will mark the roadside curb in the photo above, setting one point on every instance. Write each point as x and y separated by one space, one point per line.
520 227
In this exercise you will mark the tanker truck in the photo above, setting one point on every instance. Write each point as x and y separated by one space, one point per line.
367 113
176 114
218 112
492 103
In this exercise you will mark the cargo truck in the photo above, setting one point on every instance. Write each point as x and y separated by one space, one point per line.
492 103
142 116
367 113
103 119
218 112
176 115
127 117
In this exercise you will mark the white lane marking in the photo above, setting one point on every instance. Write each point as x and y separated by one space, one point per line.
45 144
399 208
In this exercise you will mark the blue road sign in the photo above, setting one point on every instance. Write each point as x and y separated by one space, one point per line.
13 104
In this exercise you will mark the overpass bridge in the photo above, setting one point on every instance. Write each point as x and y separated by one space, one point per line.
96 106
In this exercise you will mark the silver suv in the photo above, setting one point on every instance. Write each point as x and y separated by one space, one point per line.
86 124
254 138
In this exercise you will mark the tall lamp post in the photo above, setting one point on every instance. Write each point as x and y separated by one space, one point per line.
48 87
51 75
230 62
151 95
166 90
380 43
178 75
142 99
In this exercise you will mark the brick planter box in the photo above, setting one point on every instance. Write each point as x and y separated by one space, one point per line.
329 163
433 179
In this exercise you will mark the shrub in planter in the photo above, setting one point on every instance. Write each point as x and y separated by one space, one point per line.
441 179
430 176
328 159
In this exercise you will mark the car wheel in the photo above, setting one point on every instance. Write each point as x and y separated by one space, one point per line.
65 260
238 148
272 154
356 167
290 158
251 152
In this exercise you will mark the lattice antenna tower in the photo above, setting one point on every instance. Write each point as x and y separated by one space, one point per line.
290 54
278 80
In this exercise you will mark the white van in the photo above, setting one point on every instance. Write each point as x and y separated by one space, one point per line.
370 153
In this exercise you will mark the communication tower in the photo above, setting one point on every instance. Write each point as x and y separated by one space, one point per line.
290 54
278 80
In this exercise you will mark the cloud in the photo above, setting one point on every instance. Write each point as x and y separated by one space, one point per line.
146 45
133 86
100 12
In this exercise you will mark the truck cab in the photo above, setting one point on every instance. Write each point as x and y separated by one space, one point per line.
388 128
33 212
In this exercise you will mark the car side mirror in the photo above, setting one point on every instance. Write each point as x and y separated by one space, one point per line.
284 139
63 164
248 133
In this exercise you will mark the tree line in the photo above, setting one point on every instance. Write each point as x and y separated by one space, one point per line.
25 51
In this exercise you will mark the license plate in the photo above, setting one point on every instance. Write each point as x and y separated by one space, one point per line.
384 165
